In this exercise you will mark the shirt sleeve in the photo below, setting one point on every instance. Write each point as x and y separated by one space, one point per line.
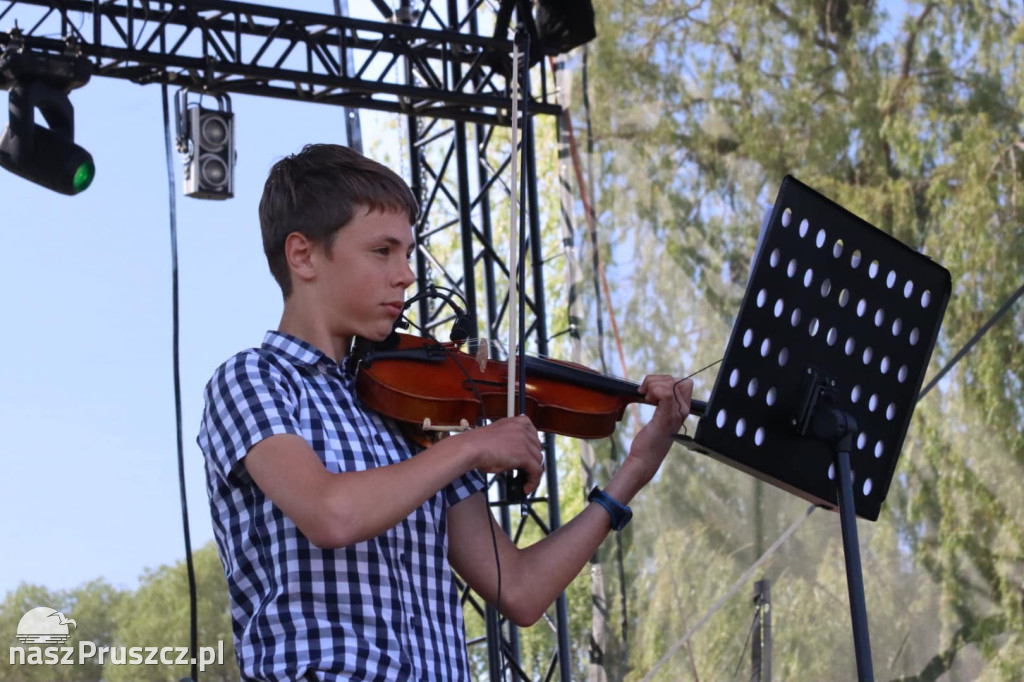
247 400
464 486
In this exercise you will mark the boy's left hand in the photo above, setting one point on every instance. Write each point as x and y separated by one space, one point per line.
672 398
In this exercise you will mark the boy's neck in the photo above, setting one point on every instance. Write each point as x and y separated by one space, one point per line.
297 322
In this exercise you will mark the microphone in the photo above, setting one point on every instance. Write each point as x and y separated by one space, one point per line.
464 326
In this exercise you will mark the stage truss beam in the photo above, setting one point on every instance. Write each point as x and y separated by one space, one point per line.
430 67
231 47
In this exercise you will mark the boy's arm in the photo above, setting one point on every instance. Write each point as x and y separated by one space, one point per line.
335 510
532 577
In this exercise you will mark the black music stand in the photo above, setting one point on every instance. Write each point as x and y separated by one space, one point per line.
824 365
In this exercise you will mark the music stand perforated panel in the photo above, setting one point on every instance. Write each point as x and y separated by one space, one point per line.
831 292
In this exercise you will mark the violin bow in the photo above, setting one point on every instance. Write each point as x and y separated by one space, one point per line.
517 259
513 239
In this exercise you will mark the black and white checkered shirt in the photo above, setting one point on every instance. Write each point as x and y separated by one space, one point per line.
383 609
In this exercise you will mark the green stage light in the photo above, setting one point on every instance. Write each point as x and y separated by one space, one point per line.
52 161
83 176
47 156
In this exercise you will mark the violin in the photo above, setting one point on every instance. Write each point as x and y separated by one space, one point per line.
437 387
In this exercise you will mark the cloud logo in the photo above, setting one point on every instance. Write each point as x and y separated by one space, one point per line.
43 625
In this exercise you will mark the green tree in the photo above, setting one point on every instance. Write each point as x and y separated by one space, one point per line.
157 614
92 606
913 122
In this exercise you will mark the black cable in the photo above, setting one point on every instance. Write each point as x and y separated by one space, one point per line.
445 293
175 360
490 522
497 565
750 632
974 339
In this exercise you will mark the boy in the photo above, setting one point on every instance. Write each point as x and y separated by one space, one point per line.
337 542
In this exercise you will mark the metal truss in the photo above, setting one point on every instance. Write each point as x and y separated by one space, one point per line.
233 47
460 174
435 65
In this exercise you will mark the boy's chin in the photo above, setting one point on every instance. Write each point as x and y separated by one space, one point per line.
378 335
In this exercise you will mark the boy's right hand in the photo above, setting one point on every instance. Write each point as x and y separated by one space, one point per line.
506 445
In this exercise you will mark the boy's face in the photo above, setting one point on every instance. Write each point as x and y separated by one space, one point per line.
361 282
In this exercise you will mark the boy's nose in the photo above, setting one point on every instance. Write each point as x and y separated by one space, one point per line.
406 275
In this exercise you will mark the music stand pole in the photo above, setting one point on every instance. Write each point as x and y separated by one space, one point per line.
854 576
819 419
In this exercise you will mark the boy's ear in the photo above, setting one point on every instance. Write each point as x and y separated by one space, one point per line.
298 251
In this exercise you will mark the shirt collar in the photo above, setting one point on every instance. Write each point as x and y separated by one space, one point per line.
296 350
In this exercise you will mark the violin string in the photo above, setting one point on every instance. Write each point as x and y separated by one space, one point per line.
690 376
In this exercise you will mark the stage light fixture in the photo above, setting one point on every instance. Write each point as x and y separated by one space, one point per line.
47 156
555 26
564 24
206 140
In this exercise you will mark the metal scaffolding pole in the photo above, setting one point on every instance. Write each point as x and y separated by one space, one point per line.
434 67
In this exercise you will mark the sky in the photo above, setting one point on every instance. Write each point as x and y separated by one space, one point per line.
87 413
90 486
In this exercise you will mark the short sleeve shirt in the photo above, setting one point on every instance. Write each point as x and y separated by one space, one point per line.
384 609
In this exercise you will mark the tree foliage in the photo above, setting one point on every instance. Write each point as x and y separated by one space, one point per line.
911 118
155 614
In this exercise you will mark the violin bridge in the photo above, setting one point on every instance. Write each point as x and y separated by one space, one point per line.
482 355
463 426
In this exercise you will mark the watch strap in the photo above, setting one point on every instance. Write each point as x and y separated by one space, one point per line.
620 514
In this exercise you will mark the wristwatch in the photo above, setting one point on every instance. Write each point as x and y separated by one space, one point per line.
620 513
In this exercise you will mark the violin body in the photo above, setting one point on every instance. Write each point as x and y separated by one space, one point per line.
421 379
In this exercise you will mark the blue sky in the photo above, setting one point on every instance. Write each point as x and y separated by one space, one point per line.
90 486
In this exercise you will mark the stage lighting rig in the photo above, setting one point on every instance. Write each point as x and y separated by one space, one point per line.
558 26
206 140
563 25
406 12
47 156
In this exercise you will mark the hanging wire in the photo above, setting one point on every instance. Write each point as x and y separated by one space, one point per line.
175 361
746 642
973 340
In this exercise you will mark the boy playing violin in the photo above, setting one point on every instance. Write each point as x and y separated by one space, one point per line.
338 543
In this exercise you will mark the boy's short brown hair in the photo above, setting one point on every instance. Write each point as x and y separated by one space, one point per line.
317 192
